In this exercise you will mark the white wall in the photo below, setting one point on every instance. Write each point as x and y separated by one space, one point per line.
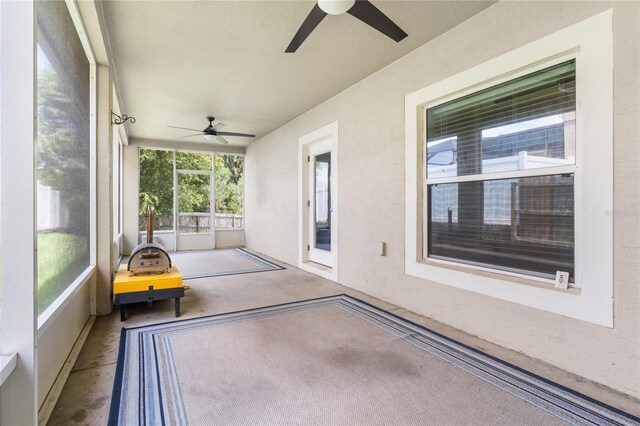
229 238
55 342
371 195
131 180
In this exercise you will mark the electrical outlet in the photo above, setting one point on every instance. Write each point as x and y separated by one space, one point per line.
562 279
383 248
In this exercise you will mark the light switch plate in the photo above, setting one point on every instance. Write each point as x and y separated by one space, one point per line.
562 279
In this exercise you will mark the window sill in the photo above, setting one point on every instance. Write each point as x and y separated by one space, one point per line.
8 363
51 313
512 277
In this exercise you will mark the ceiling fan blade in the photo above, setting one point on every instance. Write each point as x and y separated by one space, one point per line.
189 136
310 23
218 126
221 139
236 134
371 15
185 128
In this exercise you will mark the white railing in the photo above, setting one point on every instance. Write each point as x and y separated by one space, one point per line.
189 223
199 222
229 221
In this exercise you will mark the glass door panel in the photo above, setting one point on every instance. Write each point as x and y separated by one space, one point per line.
320 210
195 230
323 202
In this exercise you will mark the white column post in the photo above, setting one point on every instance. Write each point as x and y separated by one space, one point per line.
104 192
18 394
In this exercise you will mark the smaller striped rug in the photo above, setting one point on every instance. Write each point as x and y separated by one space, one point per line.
219 262
333 360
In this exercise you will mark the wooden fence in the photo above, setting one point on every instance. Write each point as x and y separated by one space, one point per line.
199 222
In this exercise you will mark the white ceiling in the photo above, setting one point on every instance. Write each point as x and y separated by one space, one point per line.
179 61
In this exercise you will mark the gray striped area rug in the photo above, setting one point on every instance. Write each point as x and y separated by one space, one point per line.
334 360
219 262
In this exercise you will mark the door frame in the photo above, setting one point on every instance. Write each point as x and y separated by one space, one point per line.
326 137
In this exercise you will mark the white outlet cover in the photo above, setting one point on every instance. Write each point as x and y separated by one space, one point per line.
562 279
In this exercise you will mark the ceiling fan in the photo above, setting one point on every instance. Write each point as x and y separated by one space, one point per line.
212 132
361 9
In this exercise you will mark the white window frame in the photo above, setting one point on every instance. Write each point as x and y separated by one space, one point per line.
556 170
58 305
116 168
590 43
18 313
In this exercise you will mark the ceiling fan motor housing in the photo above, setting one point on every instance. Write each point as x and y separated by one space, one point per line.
336 7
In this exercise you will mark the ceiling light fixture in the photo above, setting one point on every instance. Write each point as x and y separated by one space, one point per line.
210 136
336 7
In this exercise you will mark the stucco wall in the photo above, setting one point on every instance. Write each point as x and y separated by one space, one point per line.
371 192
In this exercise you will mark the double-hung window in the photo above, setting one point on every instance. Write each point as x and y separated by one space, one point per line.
509 175
500 169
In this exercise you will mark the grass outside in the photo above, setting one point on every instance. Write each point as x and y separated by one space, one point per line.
61 258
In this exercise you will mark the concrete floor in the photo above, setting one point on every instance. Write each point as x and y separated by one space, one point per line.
86 396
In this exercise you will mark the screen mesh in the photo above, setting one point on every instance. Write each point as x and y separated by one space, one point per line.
156 189
62 152
229 181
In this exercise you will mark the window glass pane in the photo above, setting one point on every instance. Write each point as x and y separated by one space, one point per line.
322 201
524 224
193 161
62 152
229 181
523 124
156 188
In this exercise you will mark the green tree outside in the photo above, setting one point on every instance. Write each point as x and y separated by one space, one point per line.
156 185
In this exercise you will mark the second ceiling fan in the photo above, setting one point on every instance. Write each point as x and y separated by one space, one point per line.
361 9
212 132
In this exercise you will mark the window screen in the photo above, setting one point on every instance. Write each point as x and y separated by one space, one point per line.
116 168
156 188
511 222
62 152
229 181
193 161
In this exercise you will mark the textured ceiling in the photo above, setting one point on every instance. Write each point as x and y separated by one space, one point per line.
179 61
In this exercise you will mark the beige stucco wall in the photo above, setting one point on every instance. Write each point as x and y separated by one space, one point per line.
371 192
